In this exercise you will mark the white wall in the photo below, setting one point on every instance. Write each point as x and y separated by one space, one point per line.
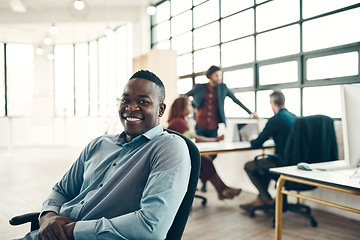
163 64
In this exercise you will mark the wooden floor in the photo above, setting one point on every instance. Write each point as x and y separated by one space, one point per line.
26 177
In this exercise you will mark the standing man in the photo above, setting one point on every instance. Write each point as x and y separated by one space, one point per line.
124 186
277 127
209 100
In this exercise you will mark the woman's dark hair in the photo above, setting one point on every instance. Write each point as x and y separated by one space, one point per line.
178 108
211 70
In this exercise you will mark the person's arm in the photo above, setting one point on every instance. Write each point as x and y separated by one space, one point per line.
66 189
255 116
191 92
266 133
237 101
179 125
199 138
51 224
165 188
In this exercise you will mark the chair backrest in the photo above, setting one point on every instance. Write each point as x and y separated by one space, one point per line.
311 139
177 228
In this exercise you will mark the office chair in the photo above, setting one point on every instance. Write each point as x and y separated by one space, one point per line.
312 139
203 199
177 228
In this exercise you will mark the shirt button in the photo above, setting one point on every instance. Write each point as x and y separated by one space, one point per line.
114 164
210 95
101 185
82 202
208 119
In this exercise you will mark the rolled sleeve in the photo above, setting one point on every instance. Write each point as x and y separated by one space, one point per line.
85 230
53 203
237 101
266 133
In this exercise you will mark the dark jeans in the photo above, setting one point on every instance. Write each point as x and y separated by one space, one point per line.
206 132
211 133
207 167
261 179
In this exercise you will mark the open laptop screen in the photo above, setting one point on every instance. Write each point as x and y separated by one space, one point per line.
245 131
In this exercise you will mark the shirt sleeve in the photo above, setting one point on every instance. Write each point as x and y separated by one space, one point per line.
237 101
179 125
165 188
65 190
266 133
191 92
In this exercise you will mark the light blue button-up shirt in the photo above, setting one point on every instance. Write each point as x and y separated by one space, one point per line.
118 190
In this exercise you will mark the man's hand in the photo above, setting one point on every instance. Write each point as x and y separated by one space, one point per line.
51 227
69 230
220 138
255 116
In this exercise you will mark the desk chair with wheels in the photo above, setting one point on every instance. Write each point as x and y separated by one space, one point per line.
203 199
177 228
312 139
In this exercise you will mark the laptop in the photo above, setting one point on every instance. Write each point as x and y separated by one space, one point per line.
245 131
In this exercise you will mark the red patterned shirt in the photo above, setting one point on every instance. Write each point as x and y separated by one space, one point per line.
208 116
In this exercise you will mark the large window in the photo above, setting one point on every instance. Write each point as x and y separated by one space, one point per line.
82 79
333 66
93 79
303 47
90 77
64 80
88 80
20 71
332 30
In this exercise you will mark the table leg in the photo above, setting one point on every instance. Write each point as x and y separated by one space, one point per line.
279 207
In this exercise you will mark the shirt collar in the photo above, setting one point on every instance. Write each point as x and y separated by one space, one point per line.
153 132
282 109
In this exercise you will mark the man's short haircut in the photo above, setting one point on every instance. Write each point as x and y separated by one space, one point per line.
211 70
278 97
145 74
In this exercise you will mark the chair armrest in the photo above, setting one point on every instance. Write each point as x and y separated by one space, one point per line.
25 218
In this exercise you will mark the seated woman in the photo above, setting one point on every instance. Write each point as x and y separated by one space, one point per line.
180 108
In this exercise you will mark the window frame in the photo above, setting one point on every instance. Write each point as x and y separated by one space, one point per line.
301 57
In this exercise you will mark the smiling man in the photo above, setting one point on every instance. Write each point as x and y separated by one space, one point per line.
142 104
126 186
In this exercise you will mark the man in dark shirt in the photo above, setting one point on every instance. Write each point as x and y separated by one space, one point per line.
277 127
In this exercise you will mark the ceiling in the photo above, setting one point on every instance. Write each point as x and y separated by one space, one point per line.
47 4
32 26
